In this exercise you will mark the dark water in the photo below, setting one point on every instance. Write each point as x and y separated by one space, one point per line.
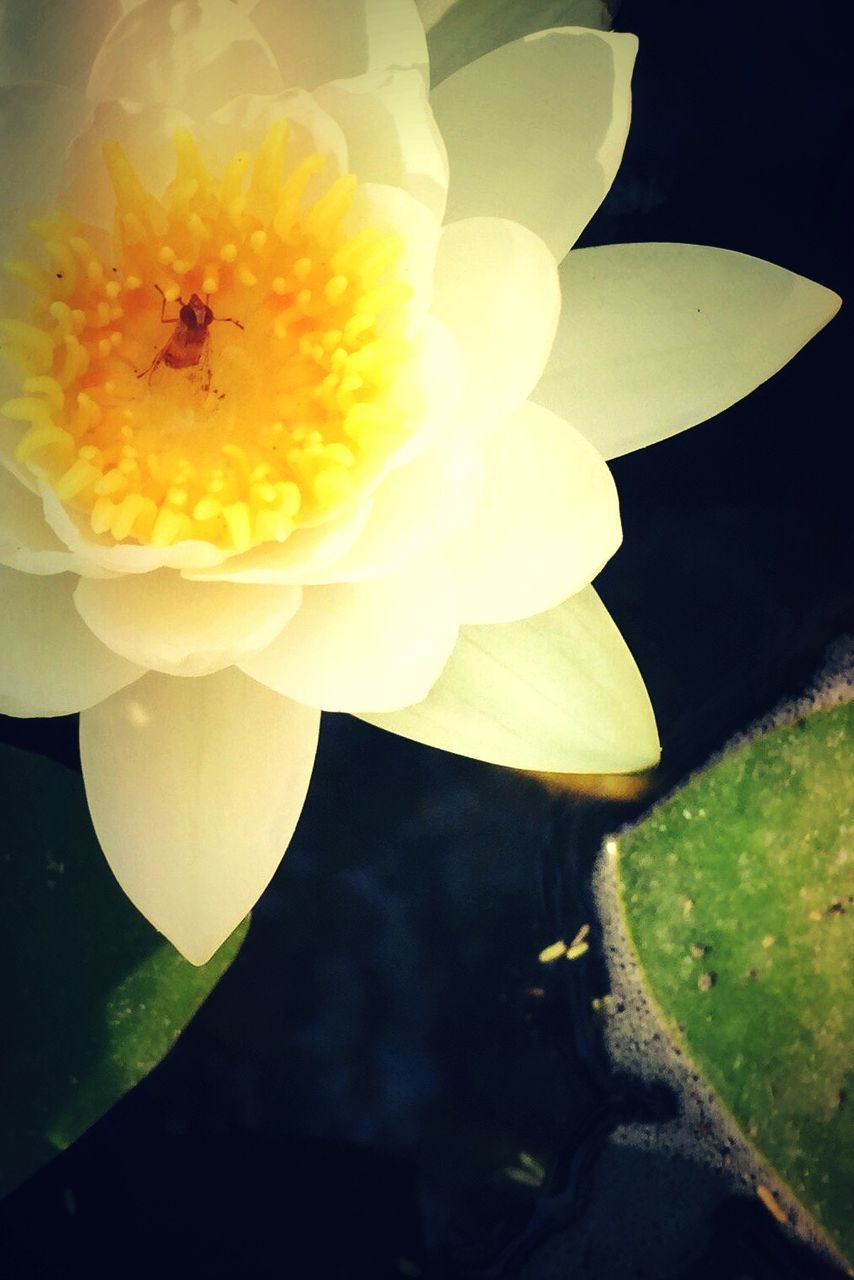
352 1096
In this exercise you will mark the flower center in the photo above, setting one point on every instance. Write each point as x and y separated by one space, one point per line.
236 366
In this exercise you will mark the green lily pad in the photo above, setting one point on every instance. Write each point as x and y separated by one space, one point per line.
92 996
737 896
463 30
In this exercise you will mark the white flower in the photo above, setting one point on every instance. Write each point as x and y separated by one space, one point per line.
273 317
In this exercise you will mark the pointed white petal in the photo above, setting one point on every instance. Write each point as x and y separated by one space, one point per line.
161 621
335 39
655 338
548 521
375 644
497 290
195 788
50 663
191 56
391 134
535 130
559 692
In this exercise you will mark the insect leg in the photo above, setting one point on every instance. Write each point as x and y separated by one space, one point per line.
205 363
163 317
153 366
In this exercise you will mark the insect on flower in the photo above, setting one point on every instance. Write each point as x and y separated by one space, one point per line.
187 347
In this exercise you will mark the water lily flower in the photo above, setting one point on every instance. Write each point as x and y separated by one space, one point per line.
294 420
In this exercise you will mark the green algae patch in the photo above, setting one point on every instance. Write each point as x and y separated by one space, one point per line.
738 897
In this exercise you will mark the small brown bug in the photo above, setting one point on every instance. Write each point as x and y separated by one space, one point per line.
187 347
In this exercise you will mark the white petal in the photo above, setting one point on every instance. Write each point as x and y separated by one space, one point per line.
392 209
37 124
416 507
535 130
12 431
459 31
43 40
559 692
26 540
497 290
50 663
10 436
548 520
392 136
242 124
74 530
439 374
306 552
378 645
195 787
185 54
145 131
335 39
654 338
162 621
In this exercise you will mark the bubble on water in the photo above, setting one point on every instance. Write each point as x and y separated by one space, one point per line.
832 686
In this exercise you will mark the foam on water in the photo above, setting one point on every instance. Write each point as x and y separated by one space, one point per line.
703 1133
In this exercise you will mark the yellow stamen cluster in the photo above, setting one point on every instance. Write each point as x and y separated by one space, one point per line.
267 418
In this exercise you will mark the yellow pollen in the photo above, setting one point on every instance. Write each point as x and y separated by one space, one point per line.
243 423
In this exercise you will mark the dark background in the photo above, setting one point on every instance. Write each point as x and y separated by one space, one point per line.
348 1099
